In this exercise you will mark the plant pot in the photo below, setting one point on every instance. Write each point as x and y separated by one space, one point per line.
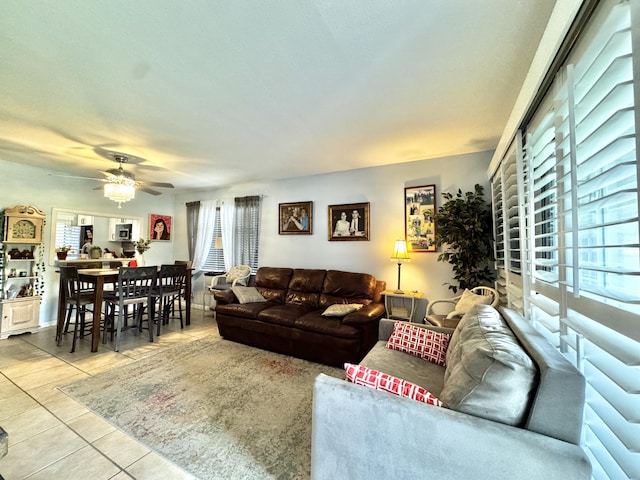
61 255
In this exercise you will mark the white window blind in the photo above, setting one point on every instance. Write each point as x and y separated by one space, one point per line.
580 233
215 259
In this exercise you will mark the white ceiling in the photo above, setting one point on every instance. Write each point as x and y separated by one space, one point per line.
211 93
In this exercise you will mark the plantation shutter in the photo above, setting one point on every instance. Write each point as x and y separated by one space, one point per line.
581 231
507 196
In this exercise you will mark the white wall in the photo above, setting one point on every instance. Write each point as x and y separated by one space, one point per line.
383 187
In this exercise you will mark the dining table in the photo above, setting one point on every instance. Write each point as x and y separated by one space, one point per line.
99 277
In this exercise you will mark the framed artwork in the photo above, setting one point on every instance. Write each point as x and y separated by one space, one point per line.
349 222
159 227
295 218
419 213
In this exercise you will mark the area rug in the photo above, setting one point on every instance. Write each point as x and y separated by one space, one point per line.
218 409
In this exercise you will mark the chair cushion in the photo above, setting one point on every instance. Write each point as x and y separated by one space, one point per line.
361 375
467 301
420 342
236 273
488 374
247 294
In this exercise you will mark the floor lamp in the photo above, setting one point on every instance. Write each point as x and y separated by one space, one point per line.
400 255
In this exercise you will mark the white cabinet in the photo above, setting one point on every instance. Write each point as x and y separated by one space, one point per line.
20 279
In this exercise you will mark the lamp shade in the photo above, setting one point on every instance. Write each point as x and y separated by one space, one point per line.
400 253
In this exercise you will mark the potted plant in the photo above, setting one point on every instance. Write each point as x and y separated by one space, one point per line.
464 226
95 251
61 252
141 246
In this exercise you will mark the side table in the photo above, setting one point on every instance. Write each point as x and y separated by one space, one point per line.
401 306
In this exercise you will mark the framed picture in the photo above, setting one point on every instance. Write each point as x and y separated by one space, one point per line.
349 222
419 212
159 227
295 218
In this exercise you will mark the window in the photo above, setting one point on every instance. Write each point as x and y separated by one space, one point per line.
215 258
579 240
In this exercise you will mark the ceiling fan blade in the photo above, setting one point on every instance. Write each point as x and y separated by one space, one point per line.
74 176
156 184
148 190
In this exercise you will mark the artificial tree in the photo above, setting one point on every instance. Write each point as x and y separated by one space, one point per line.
464 230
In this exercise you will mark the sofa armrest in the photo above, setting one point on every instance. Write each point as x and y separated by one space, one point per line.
225 296
385 329
367 314
360 433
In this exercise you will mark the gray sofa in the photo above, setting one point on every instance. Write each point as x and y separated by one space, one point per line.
506 414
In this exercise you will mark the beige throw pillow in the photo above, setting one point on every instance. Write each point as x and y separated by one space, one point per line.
467 301
341 309
247 294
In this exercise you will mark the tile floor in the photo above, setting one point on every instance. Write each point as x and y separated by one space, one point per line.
51 435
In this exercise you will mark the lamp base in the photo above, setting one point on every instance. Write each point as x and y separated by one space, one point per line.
398 291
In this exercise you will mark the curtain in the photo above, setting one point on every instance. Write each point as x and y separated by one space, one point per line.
227 217
205 226
193 211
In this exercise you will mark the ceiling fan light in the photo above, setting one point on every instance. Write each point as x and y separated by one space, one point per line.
119 192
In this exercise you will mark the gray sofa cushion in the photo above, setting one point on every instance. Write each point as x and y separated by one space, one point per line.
488 373
402 365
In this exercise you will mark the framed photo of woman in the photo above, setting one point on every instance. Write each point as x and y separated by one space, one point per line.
419 223
349 222
159 227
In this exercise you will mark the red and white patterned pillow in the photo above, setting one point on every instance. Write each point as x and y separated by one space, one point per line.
421 342
361 375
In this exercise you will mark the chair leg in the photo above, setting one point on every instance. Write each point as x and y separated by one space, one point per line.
75 329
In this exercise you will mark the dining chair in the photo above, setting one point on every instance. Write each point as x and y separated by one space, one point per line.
134 288
78 296
168 289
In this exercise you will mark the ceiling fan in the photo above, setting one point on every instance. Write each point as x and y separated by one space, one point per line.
120 185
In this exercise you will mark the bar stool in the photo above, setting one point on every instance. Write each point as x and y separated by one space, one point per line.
78 295
133 288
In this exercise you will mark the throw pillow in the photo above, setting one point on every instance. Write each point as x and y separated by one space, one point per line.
361 375
421 342
469 299
236 274
341 309
247 294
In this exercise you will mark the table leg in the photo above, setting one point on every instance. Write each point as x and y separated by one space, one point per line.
97 313
187 294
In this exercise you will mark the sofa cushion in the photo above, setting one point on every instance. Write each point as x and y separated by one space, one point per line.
247 310
341 309
361 375
305 286
315 322
284 314
347 287
272 283
247 294
488 373
420 342
399 364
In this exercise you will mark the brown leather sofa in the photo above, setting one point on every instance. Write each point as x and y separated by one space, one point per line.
291 320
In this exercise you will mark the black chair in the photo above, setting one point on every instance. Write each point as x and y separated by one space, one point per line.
78 295
169 289
134 287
